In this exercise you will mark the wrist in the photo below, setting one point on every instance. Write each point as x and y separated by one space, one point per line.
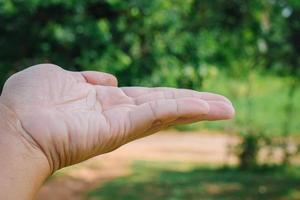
22 164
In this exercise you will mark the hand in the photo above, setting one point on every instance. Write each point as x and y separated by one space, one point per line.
72 116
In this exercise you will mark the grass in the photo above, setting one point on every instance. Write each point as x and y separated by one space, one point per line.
155 181
268 99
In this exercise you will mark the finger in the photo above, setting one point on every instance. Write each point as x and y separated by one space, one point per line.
99 78
109 96
153 96
160 112
217 111
169 93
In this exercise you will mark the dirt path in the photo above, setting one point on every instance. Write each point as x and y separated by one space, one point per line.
72 183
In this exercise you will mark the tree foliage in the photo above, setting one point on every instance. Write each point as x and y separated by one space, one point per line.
149 42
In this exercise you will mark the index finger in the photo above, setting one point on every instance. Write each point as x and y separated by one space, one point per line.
173 93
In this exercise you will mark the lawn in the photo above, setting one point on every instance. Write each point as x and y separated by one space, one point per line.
169 181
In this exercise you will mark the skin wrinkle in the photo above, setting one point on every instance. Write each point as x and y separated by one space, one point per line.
31 139
70 101
80 78
85 133
128 102
127 128
170 96
86 80
93 143
91 99
65 147
120 140
107 122
75 127
134 101
152 105
149 97
34 143
70 140
55 159
130 121
179 93
123 132
84 96
114 140
127 94
123 93
98 142
156 121
98 99
69 134
51 162
88 131
156 128
177 107
62 160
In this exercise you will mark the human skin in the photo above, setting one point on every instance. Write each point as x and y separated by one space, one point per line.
51 118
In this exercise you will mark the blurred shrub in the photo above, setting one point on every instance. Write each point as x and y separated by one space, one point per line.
150 42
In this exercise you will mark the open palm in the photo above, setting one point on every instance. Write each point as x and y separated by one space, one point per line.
72 116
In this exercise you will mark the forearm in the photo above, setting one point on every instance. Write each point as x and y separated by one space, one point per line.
23 167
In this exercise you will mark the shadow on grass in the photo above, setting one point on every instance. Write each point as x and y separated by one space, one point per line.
149 183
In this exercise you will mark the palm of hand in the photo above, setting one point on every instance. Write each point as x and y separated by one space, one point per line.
73 116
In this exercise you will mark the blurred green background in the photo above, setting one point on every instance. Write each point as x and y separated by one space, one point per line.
246 50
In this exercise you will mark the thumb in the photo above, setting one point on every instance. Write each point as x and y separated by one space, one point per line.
100 78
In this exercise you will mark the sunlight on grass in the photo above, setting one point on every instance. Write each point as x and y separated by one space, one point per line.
162 181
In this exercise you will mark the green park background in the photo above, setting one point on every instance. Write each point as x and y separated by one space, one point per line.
247 50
